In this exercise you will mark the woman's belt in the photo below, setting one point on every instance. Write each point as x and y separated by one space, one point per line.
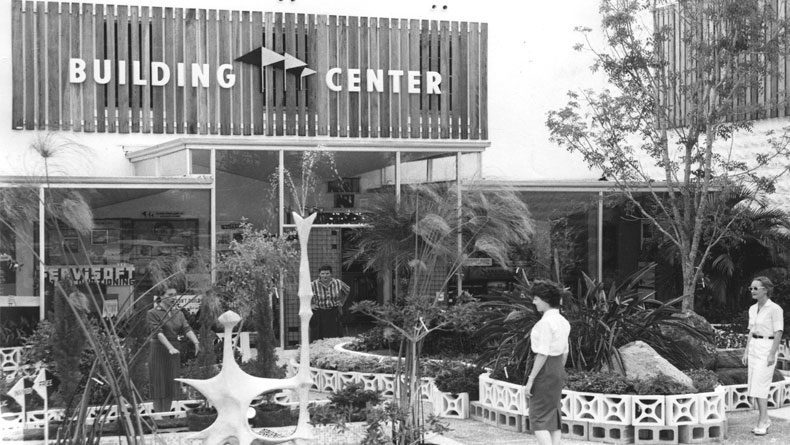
760 336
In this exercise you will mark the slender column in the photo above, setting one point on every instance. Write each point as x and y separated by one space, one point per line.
281 221
459 202
600 237
42 312
213 211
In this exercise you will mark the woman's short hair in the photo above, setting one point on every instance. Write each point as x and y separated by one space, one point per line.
548 291
767 284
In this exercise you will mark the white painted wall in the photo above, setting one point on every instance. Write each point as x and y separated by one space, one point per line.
531 66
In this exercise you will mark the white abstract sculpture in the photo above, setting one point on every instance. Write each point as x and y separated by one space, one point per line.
232 390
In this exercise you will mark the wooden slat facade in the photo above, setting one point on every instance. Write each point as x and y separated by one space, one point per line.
262 101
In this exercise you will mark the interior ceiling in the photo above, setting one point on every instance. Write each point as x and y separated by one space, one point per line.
98 198
261 165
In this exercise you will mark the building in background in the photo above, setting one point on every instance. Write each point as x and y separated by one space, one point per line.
178 120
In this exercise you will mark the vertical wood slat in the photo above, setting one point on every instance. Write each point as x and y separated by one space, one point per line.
246 70
53 66
65 53
322 65
404 92
374 98
384 55
279 77
202 58
332 56
290 77
212 39
414 61
191 39
483 76
268 73
434 65
394 64
179 120
301 86
463 81
444 70
145 60
353 63
425 104
95 33
134 89
364 98
235 93
311 82
17 66
89 54
157 54
474 85
342 62
257 79
169 89
224 43
101 90
29 53
75 90
122 52
41 60
455 89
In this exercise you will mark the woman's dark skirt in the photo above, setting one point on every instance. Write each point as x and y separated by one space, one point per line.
545 405
163 368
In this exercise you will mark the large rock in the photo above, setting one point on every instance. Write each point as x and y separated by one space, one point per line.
700 351
642 362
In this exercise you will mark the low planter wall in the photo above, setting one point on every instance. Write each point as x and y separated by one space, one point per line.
615 417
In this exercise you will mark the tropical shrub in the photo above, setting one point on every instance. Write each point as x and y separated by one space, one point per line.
600 322
346 405
457 378
661 385
598 382
704 380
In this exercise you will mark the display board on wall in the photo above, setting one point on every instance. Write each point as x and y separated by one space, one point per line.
129 69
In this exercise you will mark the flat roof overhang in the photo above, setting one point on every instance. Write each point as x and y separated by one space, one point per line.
567 186
165 182
302 143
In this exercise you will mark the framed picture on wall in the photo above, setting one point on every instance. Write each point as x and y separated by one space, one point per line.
99 236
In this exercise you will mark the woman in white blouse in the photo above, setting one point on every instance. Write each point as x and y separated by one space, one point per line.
766 324
549 341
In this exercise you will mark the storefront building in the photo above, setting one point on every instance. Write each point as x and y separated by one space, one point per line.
178 123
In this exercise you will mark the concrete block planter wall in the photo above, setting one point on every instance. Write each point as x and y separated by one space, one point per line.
682 409
451 406
648 410
712 406
616 409
586 406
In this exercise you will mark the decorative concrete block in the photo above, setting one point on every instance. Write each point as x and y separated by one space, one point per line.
775 394
428 390
574 429
737 398
648 410
610 433
347 378
509 397
369 381
712 432
712 406
785 400
682 409
386 384
656 434
586 406
451 406
526 426
477 411
565 404
315 379
616 409
328 381
486 386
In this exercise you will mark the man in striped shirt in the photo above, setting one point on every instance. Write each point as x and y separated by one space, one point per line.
329 295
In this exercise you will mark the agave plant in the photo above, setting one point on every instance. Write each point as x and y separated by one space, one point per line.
601 322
